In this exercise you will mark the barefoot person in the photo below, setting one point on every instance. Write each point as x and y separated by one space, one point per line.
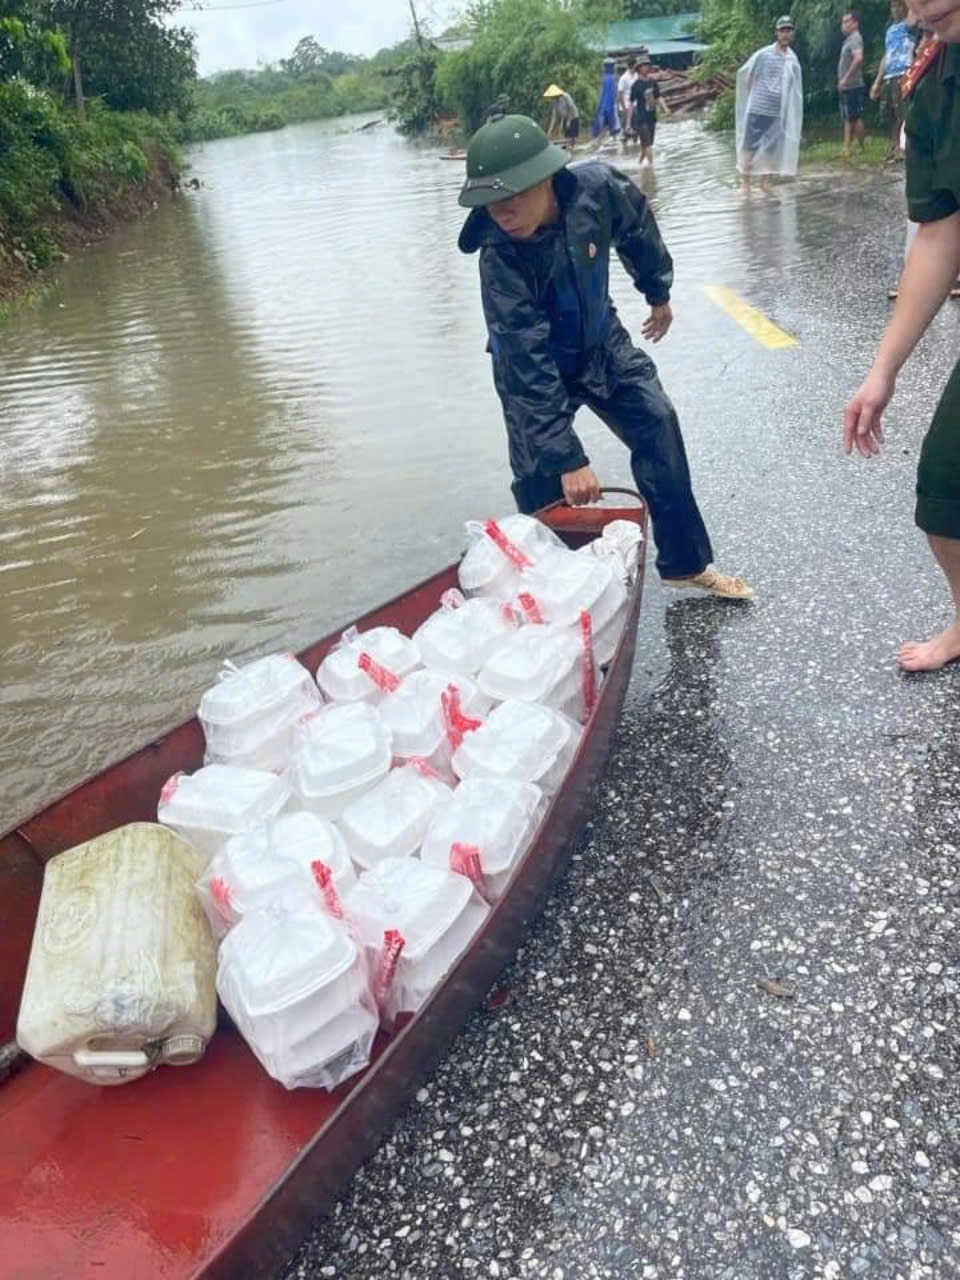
769 110
545 235
931 91
850 82
900 43
646 101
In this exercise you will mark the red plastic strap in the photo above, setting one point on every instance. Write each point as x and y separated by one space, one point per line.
589 662
323 879
509 614
380 676
465 860
393 944
530 607
220 892
423 767
517 558
457 723
168 790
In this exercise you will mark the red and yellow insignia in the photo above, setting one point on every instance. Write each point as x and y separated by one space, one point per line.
927 55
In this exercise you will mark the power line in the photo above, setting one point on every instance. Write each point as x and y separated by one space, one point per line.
217 8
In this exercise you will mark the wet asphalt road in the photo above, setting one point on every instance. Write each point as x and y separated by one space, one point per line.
781 804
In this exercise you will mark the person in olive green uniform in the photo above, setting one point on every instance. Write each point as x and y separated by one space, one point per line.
932 91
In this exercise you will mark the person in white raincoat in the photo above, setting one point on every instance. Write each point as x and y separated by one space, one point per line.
770 110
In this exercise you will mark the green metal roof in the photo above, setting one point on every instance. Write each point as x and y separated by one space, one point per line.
657 35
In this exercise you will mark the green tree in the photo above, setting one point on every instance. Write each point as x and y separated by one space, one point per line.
124 52
27 48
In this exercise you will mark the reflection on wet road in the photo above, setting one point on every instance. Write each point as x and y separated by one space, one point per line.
269 406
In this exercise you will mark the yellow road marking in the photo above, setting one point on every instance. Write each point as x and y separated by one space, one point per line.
755 322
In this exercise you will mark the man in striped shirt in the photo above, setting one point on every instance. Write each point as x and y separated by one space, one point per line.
767 74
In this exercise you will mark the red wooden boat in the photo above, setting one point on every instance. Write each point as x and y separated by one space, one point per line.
216 1170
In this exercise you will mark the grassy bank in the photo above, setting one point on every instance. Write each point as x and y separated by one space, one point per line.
65 181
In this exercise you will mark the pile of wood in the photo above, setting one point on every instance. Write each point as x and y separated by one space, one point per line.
682 94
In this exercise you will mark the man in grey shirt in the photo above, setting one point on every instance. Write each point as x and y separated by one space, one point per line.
850 83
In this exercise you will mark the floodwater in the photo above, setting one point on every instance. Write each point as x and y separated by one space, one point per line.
265 408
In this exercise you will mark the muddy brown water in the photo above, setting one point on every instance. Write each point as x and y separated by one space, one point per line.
261 410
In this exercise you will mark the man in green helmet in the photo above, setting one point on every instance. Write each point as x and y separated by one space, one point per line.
544 233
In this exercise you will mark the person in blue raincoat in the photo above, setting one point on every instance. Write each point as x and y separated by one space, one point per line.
545 235
605 120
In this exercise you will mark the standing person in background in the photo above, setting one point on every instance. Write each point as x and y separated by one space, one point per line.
850 82
564 116
931 91
770 110
900 43
624 105
646 99
605 121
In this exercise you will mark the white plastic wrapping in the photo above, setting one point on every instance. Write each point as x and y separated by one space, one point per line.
339 753
414 715
296 985
499 551
522 741
496 817
121 971
391 656
273 866
250 715
535 664
391 819
462 634
436 914
220 801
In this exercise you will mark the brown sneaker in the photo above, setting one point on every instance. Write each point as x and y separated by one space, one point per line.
714 583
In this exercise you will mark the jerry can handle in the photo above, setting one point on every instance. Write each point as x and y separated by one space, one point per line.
124 1059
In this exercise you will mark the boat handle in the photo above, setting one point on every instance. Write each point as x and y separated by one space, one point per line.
128 1059
630 493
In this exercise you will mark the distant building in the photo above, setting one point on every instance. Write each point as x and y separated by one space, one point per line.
670 42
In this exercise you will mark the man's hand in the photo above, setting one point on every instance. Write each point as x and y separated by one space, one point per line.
863 418
657 322
581 487
874 93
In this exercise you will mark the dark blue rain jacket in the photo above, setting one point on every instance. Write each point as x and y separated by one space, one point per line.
549 315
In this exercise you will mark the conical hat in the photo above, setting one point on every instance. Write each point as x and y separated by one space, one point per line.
554 91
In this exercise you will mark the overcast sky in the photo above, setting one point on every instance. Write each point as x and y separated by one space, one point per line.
229 36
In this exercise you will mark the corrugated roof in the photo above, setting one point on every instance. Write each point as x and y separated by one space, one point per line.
658 35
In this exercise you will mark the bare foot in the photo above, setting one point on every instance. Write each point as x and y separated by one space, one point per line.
931 655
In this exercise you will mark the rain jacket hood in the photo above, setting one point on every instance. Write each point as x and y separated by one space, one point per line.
553 330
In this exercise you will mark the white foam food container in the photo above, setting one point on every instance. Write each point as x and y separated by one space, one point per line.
437 913
534 664
296 986
459 640
569 584
250 715
121 970
220 801
525 741
339 753
272 866
496 816
486 571
414 715
340 676
391 819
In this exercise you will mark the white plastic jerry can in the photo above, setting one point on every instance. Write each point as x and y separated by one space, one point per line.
122 969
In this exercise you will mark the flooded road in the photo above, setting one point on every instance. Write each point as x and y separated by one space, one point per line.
264 408
267 407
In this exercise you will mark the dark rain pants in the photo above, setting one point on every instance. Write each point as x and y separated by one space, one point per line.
628 397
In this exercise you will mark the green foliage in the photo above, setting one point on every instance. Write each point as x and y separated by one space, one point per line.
735 28
519 47
49 158
311 84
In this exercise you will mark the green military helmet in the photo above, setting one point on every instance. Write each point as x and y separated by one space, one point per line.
508 155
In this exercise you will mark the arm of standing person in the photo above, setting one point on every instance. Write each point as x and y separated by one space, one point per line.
535 402
930 271
878 80
659 102
636 238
